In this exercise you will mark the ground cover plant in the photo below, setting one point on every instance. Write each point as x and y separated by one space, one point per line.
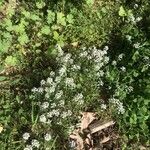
62 59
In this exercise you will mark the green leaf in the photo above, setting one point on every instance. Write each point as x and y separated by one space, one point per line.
45 30
70 18
61 19
26 13
11 61
23 39
2 78
122 12
50 17
135 56
145 67
90 2
56 35
40 5
35 17
4 45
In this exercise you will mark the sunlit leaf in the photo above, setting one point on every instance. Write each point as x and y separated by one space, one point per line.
122 12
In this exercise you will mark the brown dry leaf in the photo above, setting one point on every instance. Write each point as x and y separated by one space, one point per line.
106 139
89 141
75 136
87 118
142 147
74 44
97 126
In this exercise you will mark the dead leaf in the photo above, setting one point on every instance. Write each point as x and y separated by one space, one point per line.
106 139
97 126
142 147
74 44
75 136
87 118
89 142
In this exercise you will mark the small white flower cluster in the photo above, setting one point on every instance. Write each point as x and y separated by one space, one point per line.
123 69
103 106
136 45
64 89
120 57
34 143
26 136
118 105
128 89
134 20
48 137
79 99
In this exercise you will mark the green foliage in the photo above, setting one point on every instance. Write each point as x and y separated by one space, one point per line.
29 32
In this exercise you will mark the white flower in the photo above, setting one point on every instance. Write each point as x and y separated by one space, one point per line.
97 67
60 51
121 110
120 56
47 137
53 105
106 48
55 112
35 143
28 147
84 54
40 90
114 63
43 82
123 68
71 61
61 102
136 45
128 37
43 118
26 136
138 19
130 88
49 80
62 70
34 90
64 114
69 112
101 83
106 59
101 73
78 97
132 19
52 73
70 82
146 58
45 105
118 104
58 79
59 94
103 106
49 114
66 58
49 121
136 6
47 95
76 67
52 89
